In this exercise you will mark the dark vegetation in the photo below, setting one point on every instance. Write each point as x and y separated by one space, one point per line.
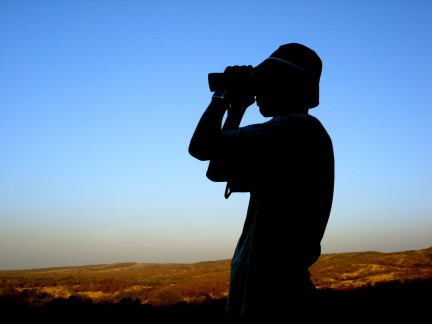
352 287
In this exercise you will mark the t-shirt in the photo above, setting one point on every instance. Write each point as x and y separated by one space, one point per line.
287 165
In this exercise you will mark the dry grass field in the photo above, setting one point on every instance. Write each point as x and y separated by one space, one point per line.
359 285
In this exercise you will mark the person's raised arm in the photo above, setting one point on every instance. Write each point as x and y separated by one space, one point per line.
217 169
204 139
206 142
208 129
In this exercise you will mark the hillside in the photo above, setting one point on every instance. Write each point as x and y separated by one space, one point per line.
342 278
361 269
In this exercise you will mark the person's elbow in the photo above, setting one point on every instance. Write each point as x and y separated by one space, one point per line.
199 153
215 177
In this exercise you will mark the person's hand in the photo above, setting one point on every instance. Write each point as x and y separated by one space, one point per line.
240 91
239 78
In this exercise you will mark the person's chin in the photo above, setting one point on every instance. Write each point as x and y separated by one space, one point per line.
265 112
264 107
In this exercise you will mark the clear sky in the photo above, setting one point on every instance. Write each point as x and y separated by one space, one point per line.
99 99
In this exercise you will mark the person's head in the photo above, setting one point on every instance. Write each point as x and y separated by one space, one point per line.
288 81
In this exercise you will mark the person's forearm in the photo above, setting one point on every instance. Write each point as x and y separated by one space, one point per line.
216 170
238 106
207 130
233 119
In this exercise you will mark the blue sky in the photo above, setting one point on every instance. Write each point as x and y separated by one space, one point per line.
99 99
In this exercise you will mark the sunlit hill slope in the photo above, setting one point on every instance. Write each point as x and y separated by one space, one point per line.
338 277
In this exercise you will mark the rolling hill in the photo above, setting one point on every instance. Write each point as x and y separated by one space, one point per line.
347 283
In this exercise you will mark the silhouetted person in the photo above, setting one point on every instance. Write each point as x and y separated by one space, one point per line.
287 165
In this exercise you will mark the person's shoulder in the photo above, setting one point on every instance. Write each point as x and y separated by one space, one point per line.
246 131
294 123
290 119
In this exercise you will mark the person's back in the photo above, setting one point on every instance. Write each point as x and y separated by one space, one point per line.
287 165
